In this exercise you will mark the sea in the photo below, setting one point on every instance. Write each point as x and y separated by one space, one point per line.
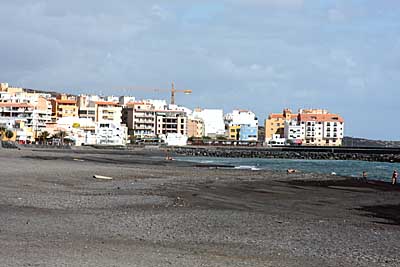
381 171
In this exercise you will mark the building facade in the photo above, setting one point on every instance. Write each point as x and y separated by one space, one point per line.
140 117
108 112
322 129
275 123
248 133
310 127
213 119
195 127
64 106
109 133
169 121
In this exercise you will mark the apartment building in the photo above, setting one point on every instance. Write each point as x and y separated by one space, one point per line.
241 117
171 121
87 107
31 110
108 111
313 127
64 106
242 125
322 129
140 117
41 115
294 132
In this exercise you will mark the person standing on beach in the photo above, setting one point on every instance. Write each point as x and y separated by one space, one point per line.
364 176
394 177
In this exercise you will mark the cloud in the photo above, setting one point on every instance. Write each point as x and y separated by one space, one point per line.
273 3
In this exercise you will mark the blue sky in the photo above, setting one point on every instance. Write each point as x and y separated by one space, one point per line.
262 55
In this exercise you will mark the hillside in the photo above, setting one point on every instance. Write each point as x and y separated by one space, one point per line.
362 142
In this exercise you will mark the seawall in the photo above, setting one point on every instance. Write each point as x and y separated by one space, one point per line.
319 153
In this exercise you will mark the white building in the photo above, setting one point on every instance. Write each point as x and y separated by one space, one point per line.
323 129
111 98
241 117
277 140
109 133
213 121
157 103
174 139
188 111
124 100
333 132
294 131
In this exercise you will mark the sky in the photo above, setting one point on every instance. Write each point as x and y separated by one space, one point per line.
262 55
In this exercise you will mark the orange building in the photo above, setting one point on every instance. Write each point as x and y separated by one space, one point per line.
63 107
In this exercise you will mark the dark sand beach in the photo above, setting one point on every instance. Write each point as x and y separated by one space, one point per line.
168 213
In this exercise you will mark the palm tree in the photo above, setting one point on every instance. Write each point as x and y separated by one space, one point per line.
44 135
2 130
61 135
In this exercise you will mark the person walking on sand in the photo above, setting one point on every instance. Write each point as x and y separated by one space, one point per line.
394 177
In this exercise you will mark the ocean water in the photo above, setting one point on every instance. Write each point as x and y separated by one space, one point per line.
353 168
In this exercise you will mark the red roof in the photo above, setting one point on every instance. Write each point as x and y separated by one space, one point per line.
65 101
280 116
321 117
19 105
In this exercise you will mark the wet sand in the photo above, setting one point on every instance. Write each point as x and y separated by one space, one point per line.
168 213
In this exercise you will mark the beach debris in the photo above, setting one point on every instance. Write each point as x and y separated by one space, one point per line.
333 173
102 177
292 170
78 160
179 202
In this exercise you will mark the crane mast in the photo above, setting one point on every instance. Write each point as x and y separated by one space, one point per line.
173 94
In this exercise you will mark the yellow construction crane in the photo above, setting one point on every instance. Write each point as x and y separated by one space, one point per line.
173 90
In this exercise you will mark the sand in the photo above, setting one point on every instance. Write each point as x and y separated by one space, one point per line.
167 213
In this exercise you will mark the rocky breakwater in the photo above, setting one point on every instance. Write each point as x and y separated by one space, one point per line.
290 153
